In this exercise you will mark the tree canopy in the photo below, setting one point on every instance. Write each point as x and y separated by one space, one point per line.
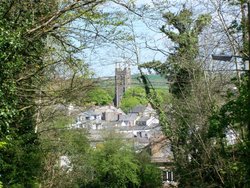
205 113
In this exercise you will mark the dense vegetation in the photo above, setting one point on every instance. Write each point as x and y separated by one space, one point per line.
41 72
137 96
21 69
111 163
208 129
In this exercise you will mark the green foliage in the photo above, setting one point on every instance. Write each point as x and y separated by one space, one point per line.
180 66
20 161
57 141
185 122
2 144
150 174
232 116
137 96
132 97
27 66
157 80
115 165
97 96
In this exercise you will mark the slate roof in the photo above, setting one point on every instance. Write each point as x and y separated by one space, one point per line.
138 109
109 108
91 113
144 118
129 117
135 128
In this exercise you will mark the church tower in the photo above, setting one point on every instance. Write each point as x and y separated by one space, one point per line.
122 83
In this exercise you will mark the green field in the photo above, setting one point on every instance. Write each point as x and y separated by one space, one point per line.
157 81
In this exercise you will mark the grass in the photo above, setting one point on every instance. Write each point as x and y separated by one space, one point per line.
157 81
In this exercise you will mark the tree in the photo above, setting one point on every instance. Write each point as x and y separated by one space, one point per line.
114 165
132 97
97 96
65 154
206 109
137 96
150 174
20 159
180 67
28 66
232 117
227 129
186 120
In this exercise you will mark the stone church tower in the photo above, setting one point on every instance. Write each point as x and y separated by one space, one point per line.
122 83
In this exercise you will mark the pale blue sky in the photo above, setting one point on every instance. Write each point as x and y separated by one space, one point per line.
102 60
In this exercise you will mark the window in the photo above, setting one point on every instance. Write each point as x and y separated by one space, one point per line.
139 134
167 176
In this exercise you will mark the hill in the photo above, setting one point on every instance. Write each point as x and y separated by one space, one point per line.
156 80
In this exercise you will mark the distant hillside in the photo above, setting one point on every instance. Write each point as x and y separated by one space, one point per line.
156 80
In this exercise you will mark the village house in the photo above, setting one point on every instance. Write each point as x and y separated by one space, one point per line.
140 127
147 121
128 120
143 110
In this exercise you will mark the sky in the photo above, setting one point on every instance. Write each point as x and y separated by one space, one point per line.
103 60
147 30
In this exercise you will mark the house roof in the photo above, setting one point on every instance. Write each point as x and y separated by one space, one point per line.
111 125
144 118
90 113
155 128
129 117
138 109
109 108
120 111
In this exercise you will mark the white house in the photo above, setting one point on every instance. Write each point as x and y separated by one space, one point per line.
65 163
147 121
128 120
